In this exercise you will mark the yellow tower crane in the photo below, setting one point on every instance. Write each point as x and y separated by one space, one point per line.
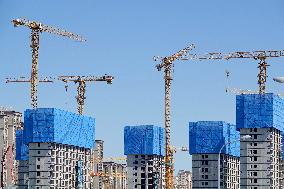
36 29
167 65
260 56
81 89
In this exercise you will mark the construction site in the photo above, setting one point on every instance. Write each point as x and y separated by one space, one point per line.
62 147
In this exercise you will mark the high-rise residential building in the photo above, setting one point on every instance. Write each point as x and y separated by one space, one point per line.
206 140
114 175
107 174
54 150
144 148
10 122
98 155
183 180
262 117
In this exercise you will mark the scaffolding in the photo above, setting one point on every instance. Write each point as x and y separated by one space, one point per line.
45 125
144 139
209 137
59 126
260 111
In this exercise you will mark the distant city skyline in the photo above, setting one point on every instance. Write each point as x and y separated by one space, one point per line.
122 38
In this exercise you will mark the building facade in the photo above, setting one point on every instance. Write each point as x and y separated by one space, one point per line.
183 180
205 174
10 122
58 166
114 175
107 174
145 171
98 155
23 174
261 159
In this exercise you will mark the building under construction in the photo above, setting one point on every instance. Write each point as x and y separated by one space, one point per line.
144 148
262 117
97 160
206 140
107 174
54 149
114 175
183 180
10 122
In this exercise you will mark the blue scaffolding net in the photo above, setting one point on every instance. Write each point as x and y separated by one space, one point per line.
208 137
144 140
56 126
21 147
260 111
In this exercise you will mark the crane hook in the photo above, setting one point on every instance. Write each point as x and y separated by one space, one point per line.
66 87
227 73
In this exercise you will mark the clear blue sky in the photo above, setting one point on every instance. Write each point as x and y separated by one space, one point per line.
123 36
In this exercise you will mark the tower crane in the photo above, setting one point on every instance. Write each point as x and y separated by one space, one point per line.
36 29
167 65
81 89
260 56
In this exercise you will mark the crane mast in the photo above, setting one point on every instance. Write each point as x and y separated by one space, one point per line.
36 29
262 65
167 65
34 71
81 89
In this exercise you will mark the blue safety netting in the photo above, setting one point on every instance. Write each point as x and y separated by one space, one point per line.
21 148
144 140
58 126
260 111
209 137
